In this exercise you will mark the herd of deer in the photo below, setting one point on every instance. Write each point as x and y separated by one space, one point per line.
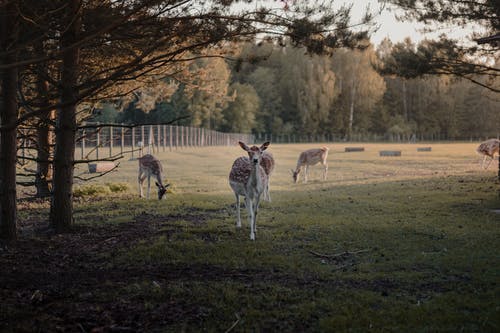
249 177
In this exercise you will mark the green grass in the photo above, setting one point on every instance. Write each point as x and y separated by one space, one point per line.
419 231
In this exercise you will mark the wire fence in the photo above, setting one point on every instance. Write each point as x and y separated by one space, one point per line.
105 142
109 141
364 137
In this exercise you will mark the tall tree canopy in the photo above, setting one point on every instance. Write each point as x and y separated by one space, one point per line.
465 59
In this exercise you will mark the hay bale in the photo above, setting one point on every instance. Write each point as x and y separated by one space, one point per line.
390 153
424 149
101 167
354 149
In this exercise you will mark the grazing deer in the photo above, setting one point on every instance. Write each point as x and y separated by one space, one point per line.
249 179
151 166
267 162
308 158
488 148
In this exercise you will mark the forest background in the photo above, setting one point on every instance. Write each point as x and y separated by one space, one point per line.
282 90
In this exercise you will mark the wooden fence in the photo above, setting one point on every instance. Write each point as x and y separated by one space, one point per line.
110 141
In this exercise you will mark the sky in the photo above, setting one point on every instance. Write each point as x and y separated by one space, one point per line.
396 30
389 26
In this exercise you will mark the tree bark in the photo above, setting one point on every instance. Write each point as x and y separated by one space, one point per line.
61 208
43 178
405 101
351 110
8 118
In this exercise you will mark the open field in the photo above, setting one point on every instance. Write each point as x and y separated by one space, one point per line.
386 244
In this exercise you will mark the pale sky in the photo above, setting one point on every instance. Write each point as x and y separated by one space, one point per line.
389 26
397 31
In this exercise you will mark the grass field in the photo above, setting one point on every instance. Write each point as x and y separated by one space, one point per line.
386 244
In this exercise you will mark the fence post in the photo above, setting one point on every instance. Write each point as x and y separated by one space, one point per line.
98 142
164 136
182 136
110 141
133 141
151 140
170 137
122 140
83 144
176 137
158 138
142 141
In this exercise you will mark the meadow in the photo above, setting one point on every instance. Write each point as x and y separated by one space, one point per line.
385 244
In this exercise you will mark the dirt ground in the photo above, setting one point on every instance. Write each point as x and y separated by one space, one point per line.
60 283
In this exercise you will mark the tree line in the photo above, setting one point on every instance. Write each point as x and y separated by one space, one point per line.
286 91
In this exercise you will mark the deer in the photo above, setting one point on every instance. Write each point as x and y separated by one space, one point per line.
488 148
308 158
249 179
150 166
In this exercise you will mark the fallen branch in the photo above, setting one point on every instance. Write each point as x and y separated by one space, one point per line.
234 324
336 255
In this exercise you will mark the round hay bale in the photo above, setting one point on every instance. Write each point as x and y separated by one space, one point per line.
354 149
390 153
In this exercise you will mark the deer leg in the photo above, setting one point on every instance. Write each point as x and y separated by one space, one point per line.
251 218
141 181
238 221
255 211
489 162
267 196
482 162
149 187
306 173
325 171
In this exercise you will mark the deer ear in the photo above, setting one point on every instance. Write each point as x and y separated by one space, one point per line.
168 185
243 146
157 184
265 145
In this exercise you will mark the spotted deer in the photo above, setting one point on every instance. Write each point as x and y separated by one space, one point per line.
150 166
308 158
249 179
488 148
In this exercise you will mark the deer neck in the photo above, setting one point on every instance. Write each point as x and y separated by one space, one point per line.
157 175
297 168
255 180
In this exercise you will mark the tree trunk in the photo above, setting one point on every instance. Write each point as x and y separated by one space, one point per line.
8 119
405 101
61 208
351 111
43 179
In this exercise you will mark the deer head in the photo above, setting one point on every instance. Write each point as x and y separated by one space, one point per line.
295 174
162 190
254 152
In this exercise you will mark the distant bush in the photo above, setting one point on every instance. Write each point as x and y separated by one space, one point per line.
99 189
118 187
